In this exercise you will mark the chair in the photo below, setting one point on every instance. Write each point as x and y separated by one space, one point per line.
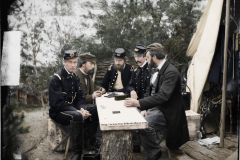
64 133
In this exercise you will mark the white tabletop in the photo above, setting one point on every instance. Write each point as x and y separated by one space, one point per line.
128 118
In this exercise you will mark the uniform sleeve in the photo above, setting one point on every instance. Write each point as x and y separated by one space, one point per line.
132 84
106 80
56 96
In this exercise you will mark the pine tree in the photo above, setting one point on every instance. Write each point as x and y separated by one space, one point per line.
183 17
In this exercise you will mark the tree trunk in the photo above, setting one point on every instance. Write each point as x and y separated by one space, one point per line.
42 101
117 145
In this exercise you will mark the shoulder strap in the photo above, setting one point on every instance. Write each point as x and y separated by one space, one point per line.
57 76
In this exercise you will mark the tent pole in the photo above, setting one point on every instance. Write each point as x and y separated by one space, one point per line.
223 108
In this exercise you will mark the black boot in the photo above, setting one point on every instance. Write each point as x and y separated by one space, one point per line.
77 139
92 133
86 139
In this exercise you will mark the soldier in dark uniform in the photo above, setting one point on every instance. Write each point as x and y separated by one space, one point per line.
67 101
139 82
117 76
140 79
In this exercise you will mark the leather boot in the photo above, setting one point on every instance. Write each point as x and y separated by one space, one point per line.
86 140
77 139
92 134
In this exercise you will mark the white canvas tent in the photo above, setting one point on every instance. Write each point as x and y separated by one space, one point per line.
202 48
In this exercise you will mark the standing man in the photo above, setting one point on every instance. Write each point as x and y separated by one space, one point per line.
163 108
118 75
86 68
67 101
139 82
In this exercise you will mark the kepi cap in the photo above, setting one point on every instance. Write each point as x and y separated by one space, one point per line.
139 49
70 54
119 53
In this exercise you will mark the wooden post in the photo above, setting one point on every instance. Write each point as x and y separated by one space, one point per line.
223 109
117 144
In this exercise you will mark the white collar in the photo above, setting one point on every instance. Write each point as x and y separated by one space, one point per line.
161 64
143 64
67 70
82 71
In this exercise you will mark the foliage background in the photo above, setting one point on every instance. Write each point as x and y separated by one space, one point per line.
98 27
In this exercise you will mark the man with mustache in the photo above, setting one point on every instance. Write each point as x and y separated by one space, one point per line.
86 68
140 79
117 76
67 101
163 107
139 82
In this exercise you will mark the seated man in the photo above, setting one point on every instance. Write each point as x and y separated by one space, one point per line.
118 75
163 108
140 79
139 82
86 67
67 101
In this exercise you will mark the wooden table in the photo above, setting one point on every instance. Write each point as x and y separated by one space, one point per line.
116 128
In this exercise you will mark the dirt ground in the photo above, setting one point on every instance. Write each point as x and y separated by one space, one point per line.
35 143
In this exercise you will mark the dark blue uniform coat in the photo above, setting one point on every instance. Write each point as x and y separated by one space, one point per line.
66 97
111 77
140 80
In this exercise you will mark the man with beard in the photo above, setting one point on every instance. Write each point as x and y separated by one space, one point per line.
139 82
86 68
162 108
67 101
117 76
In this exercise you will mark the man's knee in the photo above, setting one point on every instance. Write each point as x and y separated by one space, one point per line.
77 117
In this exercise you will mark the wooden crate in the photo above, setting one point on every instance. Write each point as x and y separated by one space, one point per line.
55 135
193 120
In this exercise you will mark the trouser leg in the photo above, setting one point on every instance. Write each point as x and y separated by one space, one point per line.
91 127
75 120
150 136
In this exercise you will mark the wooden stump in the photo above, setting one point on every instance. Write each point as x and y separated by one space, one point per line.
117 144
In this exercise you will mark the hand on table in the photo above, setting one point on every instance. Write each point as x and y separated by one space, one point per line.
131 102
144 113
134 94
96 94
102 90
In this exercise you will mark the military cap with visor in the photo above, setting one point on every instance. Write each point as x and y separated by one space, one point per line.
70 54
88 57
119 53
139 49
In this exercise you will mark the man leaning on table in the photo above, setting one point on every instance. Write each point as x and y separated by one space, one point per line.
118 75
163 108
138 84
